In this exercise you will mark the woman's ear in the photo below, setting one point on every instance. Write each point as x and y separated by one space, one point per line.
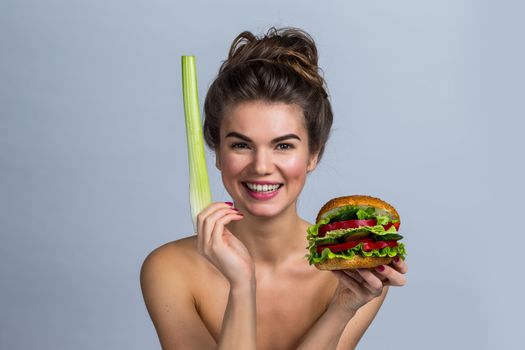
312 163
217 161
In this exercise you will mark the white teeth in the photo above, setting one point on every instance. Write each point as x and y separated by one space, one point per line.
262 188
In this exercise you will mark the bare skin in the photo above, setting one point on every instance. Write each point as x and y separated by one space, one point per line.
285 312
243 281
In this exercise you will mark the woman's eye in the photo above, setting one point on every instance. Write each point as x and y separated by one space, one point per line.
239 145
280 147
284 146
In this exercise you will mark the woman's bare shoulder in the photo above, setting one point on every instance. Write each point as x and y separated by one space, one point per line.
182 245
175 255
169 270
169 280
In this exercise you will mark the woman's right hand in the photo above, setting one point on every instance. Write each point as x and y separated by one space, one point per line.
221 247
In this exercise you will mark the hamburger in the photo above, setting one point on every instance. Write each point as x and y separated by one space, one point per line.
354 232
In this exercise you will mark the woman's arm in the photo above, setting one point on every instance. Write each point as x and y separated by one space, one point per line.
327 331
356 302
338 329
238 327
229 255
169 300
171 306
357 326
167 289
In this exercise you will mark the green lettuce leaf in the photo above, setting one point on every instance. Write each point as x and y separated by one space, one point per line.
314 257
377 233
350 212
383 219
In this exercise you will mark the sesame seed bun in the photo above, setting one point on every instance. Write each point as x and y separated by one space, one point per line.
357 262
357 200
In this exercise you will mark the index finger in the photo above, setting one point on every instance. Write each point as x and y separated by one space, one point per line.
213 207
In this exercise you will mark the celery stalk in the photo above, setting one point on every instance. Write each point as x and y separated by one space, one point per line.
200 195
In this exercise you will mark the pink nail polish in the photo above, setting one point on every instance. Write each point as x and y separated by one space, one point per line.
396 259
380 268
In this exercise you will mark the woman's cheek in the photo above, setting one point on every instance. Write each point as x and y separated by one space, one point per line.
294 167
231 164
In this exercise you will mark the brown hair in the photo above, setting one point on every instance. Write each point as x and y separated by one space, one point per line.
280 66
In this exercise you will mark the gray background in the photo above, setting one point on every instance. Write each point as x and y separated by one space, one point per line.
93 172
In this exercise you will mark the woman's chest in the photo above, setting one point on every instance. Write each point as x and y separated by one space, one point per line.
286 308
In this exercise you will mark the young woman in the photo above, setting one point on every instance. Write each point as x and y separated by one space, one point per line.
242 282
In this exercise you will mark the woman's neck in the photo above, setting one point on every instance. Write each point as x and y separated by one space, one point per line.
272 241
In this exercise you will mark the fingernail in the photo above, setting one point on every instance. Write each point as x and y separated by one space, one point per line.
380 268
229 203
396 259
235 209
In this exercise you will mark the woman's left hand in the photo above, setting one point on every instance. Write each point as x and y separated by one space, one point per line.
357 287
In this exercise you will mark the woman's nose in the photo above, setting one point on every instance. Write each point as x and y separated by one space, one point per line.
263 162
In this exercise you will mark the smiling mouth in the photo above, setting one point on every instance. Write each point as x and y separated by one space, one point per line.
262 188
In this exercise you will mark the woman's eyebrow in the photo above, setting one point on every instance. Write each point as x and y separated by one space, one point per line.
275 140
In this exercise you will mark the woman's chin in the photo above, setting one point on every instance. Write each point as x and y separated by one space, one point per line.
266 210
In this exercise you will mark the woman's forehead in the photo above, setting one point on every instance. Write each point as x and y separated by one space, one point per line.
263 118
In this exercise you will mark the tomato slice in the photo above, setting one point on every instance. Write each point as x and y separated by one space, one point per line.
390 224
323 229
368 245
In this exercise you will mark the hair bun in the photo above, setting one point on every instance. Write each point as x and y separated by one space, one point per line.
277 67
289 46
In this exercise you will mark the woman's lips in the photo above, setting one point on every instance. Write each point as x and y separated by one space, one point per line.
262 195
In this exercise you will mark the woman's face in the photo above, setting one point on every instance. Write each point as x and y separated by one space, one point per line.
263 156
